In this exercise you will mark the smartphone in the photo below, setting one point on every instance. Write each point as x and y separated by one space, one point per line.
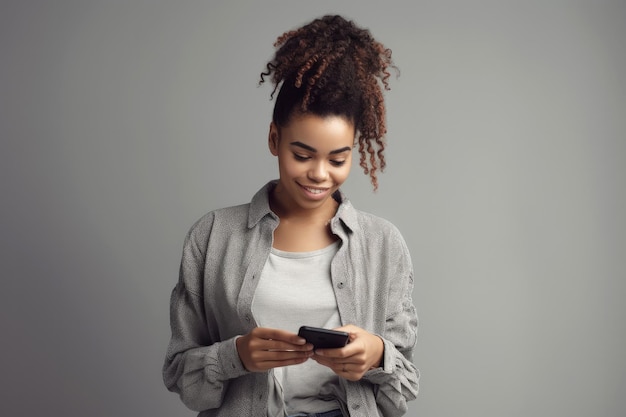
324 338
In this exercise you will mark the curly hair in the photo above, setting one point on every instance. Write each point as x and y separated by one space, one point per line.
332 67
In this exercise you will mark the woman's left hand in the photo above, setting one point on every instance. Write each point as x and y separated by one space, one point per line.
363 352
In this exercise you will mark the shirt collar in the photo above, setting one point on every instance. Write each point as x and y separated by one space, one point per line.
260 208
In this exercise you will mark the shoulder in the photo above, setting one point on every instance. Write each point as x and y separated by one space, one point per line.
378 228
219 221
373 221
377 242
367 222
366 225
233 221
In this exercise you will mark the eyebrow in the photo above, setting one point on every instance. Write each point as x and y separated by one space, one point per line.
312 149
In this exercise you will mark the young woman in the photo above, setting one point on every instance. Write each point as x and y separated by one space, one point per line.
300 254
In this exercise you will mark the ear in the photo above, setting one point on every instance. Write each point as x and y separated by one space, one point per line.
273 139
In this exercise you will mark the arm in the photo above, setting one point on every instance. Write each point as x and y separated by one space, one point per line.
385 363
398 379
197 366
384 358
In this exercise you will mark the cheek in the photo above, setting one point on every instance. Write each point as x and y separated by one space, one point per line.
290 167
342 174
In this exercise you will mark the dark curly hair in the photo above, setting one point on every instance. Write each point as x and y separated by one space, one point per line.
332 67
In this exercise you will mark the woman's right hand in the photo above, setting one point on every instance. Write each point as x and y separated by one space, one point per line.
263 349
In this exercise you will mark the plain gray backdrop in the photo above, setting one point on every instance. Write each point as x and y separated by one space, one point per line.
122 122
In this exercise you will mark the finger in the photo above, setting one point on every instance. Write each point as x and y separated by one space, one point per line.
279 334
280 354
281 346
264 366
267 360
337 353
350 374
334 364
347 370
351 329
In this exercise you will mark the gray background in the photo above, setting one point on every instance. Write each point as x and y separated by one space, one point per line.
122 122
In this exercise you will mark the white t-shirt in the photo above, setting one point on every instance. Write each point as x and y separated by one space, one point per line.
295 289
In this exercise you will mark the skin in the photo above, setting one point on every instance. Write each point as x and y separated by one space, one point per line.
314 154
314 158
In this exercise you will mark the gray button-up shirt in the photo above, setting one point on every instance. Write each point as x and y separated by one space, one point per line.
223 256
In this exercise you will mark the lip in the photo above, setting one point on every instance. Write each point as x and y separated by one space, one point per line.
319 194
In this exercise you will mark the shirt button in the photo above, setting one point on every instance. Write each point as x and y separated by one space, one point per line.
340 285
248 318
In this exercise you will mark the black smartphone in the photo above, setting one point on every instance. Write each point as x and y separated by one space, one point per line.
324 338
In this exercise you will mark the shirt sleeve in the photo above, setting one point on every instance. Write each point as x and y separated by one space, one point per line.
196 367
398 379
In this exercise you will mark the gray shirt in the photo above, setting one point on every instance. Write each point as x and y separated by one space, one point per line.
211 305
296 289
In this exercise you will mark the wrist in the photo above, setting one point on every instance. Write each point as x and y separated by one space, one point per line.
380 361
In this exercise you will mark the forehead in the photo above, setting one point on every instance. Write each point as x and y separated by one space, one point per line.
320 132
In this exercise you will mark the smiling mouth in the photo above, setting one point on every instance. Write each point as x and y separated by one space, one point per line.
315 190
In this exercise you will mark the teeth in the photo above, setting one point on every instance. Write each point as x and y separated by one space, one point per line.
314 190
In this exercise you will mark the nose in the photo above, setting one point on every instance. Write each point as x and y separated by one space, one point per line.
318 172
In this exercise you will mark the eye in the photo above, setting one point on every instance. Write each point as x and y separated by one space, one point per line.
337 163
300 157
